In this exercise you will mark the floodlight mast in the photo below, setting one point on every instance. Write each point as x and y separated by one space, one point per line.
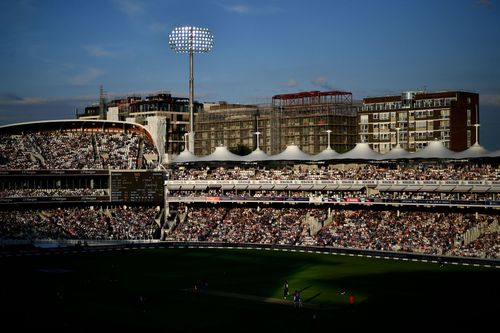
477 133
397 136
191 40
328 132
186 141
257 134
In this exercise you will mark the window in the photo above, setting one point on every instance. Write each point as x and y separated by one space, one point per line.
384 116
421 124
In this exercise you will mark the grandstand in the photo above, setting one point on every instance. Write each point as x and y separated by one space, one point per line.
101 180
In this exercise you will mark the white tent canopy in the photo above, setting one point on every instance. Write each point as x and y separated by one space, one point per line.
291 153
496 153
327 154
435 149
186 157
361 151
221 153
395 153
255 156
474 151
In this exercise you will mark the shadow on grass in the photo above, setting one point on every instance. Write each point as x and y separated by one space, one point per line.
311 298
305 288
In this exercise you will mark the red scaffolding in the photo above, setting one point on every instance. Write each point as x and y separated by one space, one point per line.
312 97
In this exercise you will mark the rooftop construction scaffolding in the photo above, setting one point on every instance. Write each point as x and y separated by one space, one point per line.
303 118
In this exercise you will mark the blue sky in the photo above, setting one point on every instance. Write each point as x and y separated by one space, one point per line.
54 54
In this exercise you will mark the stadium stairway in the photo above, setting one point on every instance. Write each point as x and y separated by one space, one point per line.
97 156
313 223
473 233
170 222
36 152
140 153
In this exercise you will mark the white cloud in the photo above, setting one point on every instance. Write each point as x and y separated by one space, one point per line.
159 28
97 51
14 99
322 82
16 109
292 83
489 99
129 7
244 9
10 98
86 77
240 9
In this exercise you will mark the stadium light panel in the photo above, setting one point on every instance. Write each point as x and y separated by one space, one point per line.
191 39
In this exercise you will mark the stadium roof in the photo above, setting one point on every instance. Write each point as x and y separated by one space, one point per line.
291 153
327 154
435 149
361 151
394 154
186 157
496 153
476 150
221 154
255 156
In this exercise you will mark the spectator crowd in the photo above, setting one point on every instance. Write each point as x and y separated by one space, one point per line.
409 231
114 223
413 171
73 150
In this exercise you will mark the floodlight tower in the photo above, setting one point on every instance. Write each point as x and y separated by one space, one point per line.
191 40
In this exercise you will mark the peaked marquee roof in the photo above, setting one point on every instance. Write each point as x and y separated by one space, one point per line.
291 153
362 151
256 156
327 154
435 149
221 153
476 150
395 153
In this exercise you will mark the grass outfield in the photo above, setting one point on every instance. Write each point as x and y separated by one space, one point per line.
96 291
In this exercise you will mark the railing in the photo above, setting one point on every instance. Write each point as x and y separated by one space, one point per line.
405 256
341 201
